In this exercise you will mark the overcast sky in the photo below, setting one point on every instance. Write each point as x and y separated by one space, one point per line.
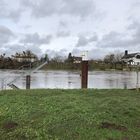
63 26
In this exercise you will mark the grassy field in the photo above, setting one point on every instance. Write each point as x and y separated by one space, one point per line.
70 115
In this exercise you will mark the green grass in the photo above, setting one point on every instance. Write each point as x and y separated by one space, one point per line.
70 115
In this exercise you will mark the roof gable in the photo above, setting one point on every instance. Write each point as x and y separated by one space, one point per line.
130 55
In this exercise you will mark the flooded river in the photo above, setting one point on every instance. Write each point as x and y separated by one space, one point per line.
70 79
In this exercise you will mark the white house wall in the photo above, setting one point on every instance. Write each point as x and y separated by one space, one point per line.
136 60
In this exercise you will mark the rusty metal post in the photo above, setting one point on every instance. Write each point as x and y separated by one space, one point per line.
84 73
28 81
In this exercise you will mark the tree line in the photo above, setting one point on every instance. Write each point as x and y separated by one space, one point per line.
110 61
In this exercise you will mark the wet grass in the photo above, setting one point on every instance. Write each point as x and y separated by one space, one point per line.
70 115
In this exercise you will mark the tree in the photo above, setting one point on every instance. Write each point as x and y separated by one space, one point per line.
58 59
109 58
118 57
113 59
46 57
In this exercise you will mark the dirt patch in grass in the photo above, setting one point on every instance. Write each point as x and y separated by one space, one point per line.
113 126
10 125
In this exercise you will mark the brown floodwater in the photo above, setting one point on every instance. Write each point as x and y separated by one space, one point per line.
70 79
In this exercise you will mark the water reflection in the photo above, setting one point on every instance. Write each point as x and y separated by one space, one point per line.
71 79
56 79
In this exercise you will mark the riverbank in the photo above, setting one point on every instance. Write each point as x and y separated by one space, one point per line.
70 114
92 65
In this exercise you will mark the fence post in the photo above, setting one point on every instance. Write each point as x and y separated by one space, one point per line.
84 74
28 81
2 84
137 83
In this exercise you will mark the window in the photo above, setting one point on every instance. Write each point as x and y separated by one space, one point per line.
138 56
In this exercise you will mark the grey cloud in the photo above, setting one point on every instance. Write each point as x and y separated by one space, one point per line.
92 53
7 12
35 49
14 15
118 40
77 52
62 24
80 8
36 39
43 8
26 27
93 38
83 41
136 4
53 53
136 28
63 33
112 39
12 49
5 35
133 26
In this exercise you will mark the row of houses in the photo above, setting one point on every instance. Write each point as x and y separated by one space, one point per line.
25 56
28 56
132 59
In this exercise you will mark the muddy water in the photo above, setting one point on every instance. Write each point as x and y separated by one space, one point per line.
70 79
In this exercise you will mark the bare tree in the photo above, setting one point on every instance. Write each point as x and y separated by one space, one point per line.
113 59
118 56
110 58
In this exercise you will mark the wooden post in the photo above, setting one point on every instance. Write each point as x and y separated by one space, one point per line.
2 84
84 74
137 84
28 81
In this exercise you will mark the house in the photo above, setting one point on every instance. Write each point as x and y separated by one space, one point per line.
132 59
76 60
27 56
